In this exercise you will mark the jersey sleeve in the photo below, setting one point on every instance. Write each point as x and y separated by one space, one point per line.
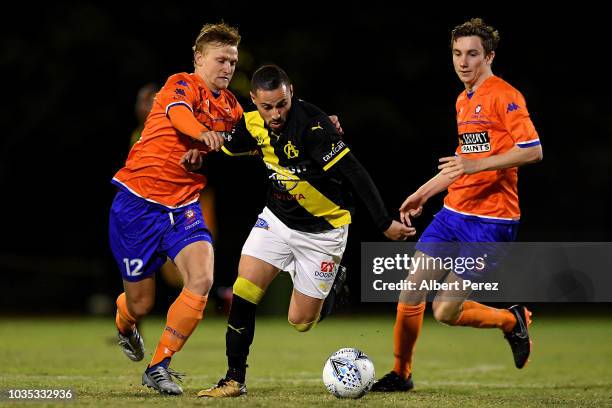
239 142
515 117
324 144
178 90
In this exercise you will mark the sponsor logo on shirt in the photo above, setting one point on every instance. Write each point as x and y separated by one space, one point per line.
326 272
318 127
261 223
179 91
281 178
182 83
288 196
335 149
476 142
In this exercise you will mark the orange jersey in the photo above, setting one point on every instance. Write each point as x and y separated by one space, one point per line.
152 170
491 122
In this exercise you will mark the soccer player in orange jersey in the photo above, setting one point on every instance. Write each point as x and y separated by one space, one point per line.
496 136
156 213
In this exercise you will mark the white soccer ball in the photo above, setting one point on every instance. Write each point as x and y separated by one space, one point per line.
348 373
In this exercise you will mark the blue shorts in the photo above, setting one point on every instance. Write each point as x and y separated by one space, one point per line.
452 234
142 234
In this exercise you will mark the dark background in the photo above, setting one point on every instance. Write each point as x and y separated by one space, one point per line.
71 74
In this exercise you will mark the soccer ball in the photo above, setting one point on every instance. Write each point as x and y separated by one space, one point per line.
348 373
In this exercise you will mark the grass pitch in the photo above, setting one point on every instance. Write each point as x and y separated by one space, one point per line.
571 363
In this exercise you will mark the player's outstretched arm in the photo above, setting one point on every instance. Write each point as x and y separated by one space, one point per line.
365 188
456 166
182 119
212 140
398 231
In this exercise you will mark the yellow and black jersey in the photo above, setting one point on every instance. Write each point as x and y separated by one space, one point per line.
302 193
305 193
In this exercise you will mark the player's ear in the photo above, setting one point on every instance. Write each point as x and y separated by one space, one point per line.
198 58
490 57
291 90
253 96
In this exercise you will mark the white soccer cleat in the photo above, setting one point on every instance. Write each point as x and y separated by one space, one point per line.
132 345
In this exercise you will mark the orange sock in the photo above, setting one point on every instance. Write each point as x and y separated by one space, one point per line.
408 324
183 317
123 319
475 314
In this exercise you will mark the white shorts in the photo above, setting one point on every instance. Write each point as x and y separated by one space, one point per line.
311 259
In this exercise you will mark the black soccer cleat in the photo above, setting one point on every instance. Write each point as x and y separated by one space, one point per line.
518 337
392 382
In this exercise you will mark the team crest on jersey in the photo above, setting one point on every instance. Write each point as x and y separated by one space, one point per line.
478 109
290 150
476 142
191 219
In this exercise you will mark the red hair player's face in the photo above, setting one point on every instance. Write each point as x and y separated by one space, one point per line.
470 62
274 105
216 65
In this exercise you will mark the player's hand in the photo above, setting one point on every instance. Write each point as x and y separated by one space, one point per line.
399 232
456 166
212 140
192 160
411 207
336 122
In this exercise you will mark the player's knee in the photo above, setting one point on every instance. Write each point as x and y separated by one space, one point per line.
200 284
140 306
303 327
302 322
445 312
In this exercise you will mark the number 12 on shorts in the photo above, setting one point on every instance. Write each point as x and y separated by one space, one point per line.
133 267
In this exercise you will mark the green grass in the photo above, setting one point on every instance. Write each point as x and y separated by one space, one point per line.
571 363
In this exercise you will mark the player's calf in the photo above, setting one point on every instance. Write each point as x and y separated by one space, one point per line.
446 312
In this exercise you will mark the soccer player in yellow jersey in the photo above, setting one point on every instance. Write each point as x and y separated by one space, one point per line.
303 228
